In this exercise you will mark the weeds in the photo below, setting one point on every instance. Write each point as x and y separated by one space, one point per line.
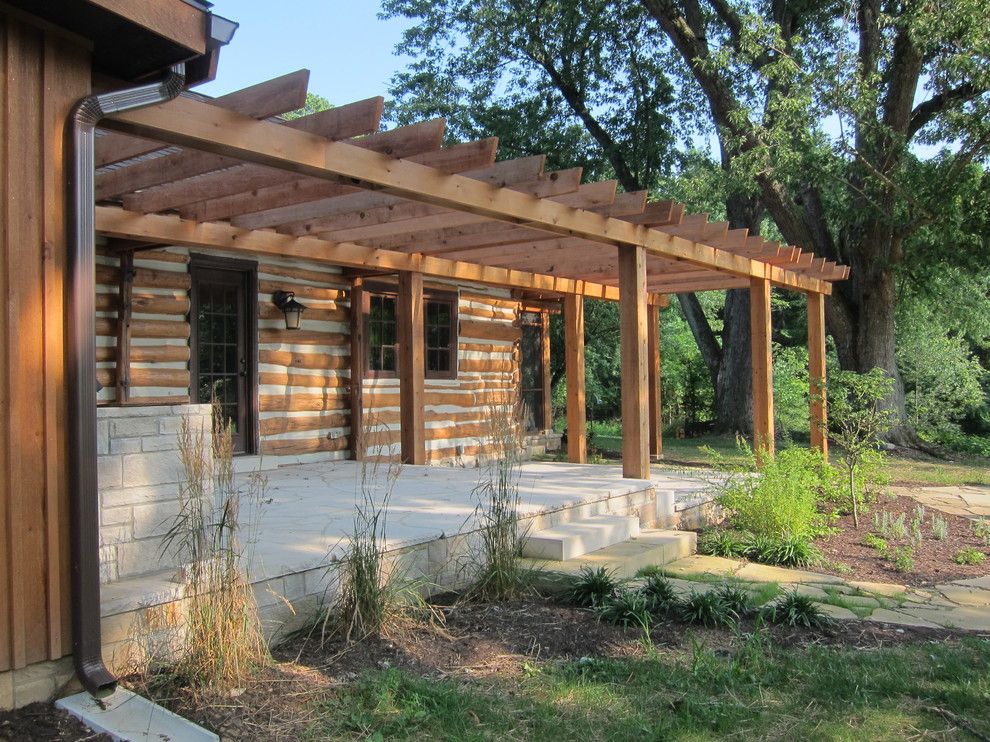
223 641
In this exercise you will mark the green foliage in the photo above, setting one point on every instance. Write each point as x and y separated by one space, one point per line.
735 599
858 419
707 609
781 501
876 543
969 556
940 527
981 529
785 551
628 608
314 104
790 390
904 558
660 594
722 543
795 609
593 586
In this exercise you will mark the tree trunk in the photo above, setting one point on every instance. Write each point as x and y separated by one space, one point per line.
733 390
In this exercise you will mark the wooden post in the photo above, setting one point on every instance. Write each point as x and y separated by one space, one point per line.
653 362
577 428
412 368
545 363
124 313
634 341
816 371
358 451
763 433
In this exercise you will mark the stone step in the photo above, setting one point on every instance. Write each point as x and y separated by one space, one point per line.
651 547
571 540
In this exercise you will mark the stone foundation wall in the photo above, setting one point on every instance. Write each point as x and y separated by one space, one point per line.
139 474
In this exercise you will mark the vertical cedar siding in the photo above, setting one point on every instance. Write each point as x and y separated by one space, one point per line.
43 76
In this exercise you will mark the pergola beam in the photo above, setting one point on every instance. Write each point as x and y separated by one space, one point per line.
170 229
198 125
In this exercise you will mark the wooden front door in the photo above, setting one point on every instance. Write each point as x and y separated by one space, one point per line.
223 328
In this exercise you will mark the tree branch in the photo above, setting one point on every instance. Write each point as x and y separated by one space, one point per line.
925 112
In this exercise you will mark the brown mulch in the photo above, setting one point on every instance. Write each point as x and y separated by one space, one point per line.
42 721
933 559
489 642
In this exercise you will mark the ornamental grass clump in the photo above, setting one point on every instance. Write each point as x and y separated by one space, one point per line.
593 587
223 642
501 575
795 609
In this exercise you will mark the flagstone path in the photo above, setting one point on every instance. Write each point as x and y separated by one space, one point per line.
963 604
969 501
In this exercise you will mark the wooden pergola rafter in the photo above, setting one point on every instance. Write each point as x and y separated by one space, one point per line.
330 187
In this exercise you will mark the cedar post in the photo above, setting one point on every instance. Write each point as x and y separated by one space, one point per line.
577 428
412 368
545 362
653 361
124 314
358 451
634 340
763 433
816 371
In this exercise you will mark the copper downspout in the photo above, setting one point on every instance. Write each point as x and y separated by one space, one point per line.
87 642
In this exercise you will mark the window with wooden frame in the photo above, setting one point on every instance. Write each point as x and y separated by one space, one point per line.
439 333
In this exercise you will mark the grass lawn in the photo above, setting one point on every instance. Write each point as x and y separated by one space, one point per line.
962 469
926 690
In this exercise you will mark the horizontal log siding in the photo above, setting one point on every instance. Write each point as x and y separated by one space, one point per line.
302 375
456 410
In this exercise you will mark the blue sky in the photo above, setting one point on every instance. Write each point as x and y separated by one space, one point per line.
348 50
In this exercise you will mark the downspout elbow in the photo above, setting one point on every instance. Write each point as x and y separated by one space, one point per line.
87 644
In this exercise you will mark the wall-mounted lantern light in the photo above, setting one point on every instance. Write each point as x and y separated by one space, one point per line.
286 301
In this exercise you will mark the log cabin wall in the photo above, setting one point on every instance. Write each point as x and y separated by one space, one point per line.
456 411
44 73
304 375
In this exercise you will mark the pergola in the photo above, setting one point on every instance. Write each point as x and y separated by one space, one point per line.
228 174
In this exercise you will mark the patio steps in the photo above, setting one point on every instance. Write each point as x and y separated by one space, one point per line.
571 540
650 547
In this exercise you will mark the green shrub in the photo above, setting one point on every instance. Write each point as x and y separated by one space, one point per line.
783 551
780 500
707 609
736 599
876 543
722 543
660 594
904 559
626 608
969 556
592 587
794 609
898 526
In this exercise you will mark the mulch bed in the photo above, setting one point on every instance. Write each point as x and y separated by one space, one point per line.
42 721
485 642
933 559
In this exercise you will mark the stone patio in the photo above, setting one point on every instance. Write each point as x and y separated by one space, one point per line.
968 501
963 604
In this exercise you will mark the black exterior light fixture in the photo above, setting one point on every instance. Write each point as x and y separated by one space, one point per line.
286 301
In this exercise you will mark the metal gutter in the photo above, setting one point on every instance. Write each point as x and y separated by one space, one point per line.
87 644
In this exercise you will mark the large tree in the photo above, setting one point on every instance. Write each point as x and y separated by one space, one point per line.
587 82
823 111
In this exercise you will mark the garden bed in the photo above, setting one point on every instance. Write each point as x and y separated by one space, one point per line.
496 650
42 721
933 559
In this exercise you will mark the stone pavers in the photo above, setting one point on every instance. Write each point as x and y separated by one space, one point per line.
962 604
968 501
